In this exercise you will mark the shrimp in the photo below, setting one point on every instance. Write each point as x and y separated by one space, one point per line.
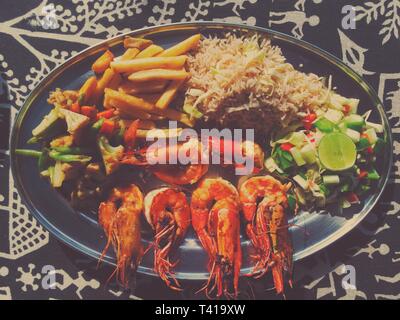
234 150
168 212
120 218
267 226
165 168
215 218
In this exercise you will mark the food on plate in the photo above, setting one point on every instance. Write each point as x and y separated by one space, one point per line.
311 149
264 201
215 218
168 213
246 81
119 216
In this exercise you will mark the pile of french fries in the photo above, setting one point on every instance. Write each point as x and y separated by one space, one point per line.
142 83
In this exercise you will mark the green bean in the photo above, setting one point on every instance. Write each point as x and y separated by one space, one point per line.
71 150
33 140
44 159
97 125
28 152
69 157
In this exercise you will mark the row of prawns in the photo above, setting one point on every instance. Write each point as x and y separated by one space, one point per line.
214 212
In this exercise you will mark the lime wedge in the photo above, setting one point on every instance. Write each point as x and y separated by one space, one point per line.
337 152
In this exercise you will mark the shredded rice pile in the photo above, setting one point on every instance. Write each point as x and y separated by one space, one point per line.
246 82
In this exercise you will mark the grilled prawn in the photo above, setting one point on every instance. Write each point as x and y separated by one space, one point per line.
215 218
168 212
264 202
120 218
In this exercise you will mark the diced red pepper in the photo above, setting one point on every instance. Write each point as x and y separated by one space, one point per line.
308 120
107 114
346 108
107 127
370 150
286 146
352 198
89 111
75 107
130 135
362 174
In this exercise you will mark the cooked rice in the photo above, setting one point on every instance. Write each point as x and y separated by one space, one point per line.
247 82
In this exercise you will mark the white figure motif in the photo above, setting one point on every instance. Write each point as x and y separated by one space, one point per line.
387 296
251 21
353 54
29 278
237 4
297 18
383 250
119 293
80 282
5 292
300 4
397 253
394 279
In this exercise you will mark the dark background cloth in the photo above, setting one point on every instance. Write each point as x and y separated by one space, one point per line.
31 45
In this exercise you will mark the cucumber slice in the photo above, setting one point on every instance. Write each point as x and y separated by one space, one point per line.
376 126
301 182
353 103
324 125
355 122
331 179
334 116
371 134
271 165
353 135
298 158
308 154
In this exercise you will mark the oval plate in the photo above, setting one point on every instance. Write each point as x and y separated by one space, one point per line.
81 231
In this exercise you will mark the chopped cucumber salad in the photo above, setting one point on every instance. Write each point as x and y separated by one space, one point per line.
330 156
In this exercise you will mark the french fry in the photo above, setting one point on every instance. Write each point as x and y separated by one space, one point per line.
174 115
149 97
134 65
150 51
126 111
158 74
130 53
158 133
139 43
103 62
104 81
142 87
181 47
87 90
134 102
169 94
115 81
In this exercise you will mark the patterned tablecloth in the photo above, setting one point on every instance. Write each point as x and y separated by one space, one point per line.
36 36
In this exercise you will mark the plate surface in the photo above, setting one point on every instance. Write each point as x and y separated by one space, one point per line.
312 231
